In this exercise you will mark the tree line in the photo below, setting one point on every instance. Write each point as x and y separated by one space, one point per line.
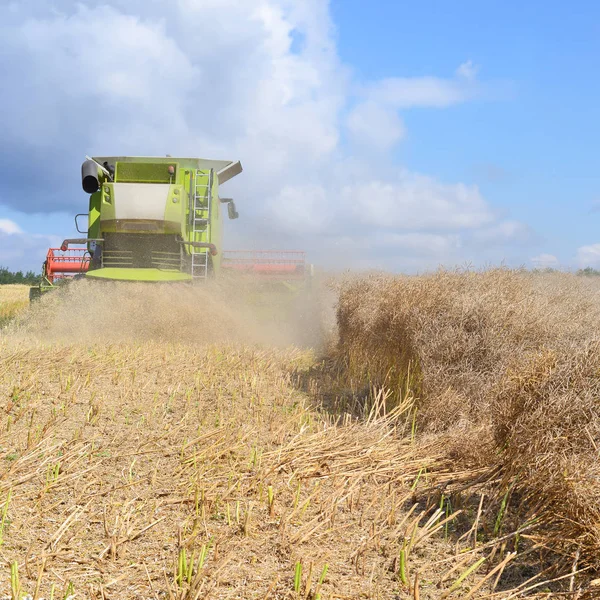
7 276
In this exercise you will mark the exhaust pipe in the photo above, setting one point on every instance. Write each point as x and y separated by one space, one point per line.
89 177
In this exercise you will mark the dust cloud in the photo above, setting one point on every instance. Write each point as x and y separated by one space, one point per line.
228 311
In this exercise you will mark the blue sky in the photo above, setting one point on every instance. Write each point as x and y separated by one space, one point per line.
381 134
532 148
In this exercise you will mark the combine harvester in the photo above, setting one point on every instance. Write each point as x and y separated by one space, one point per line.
160 220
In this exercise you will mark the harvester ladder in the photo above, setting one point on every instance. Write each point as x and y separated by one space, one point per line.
200 221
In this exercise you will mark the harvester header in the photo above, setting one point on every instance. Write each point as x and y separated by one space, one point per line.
156 219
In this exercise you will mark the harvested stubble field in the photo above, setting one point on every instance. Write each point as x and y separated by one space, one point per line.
177 444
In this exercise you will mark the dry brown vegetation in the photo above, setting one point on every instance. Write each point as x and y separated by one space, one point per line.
13 300
171 443
506 368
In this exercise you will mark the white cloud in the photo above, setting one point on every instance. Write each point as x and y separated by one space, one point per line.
503 232
468 70
589 256
413 201
421 244
221 78
301 209
375 126
398 252
412 92
545 261
9 227
20 250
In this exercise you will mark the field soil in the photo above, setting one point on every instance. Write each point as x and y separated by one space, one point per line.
175 443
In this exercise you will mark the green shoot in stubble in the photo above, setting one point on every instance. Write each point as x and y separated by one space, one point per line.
190 568
463 576
182 567
131 473
502 511
203 554
297 577
29 434
15 586
246 525
413 426
271 500
446 506
304 507
416 482
70 591
402 568
4 516
321 581
256 457
52 474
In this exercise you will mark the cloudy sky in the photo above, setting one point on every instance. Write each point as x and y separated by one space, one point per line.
396 135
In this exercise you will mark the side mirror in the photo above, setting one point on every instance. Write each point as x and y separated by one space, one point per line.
231 211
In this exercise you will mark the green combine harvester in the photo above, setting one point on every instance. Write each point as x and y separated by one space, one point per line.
159 220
